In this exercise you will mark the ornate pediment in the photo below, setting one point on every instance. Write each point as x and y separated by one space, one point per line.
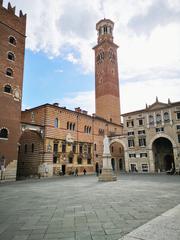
158 105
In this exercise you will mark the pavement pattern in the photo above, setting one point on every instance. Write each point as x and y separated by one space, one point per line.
81 208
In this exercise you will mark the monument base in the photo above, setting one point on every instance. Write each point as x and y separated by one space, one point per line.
107 175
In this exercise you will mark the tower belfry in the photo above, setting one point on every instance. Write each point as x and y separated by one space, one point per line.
106 73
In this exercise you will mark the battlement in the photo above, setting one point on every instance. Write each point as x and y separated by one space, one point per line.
8 16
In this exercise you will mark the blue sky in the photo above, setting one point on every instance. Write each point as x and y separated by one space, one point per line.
59 62
50 80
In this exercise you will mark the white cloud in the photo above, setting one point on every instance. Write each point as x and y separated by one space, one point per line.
84 100
148 51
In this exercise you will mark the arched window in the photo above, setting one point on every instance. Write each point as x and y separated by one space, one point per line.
7 89
74 127
89 129
9 72
12 40
67 125
158 118
151 120
4 133
70 126
166 116
56 123
11 56
85 129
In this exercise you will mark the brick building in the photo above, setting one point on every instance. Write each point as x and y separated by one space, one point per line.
12 45
61 139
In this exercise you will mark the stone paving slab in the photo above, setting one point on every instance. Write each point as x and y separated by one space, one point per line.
83 208
164 227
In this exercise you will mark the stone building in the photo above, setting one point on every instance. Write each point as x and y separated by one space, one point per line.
12 45
151 138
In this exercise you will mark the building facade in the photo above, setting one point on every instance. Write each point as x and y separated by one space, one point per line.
61 140
151 138
12 45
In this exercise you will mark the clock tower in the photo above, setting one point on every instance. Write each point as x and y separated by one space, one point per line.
106 73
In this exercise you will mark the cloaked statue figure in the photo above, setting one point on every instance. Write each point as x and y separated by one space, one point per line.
107 171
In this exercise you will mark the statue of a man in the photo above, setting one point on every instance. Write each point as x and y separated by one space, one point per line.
106 146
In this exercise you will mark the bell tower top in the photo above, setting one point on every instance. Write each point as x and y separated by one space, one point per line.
105 30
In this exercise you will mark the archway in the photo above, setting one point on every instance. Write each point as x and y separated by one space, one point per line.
118 158
163 154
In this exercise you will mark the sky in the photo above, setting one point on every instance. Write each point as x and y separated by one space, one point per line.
59 60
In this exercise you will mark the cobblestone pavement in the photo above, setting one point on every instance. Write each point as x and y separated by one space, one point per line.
81 208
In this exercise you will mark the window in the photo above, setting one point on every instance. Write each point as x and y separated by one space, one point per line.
101 131
130 133
12 40
140 122
158 118
144 167
160 129
63 148
178 127
112 149
80 149
25 148
4 133
89 161
74 148
166 117
95 147
7 89
131 143
142 142
11 56
55 152
32 147
141 132
132 155
151 120
178 138
130 123
143 155
9 72
56 123
79 160
85 129
89 149
178 115
67 125
74 127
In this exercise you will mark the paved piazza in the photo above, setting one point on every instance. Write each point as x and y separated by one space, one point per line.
82 208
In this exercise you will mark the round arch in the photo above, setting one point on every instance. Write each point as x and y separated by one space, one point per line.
153 154
118 157
163 135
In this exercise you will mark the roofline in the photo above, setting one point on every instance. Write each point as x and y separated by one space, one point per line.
78 113
172 104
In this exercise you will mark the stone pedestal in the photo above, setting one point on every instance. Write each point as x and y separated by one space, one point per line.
107 174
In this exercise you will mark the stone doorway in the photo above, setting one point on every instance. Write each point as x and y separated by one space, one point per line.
163 154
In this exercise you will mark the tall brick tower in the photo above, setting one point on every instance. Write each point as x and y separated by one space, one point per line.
106 73
12 46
